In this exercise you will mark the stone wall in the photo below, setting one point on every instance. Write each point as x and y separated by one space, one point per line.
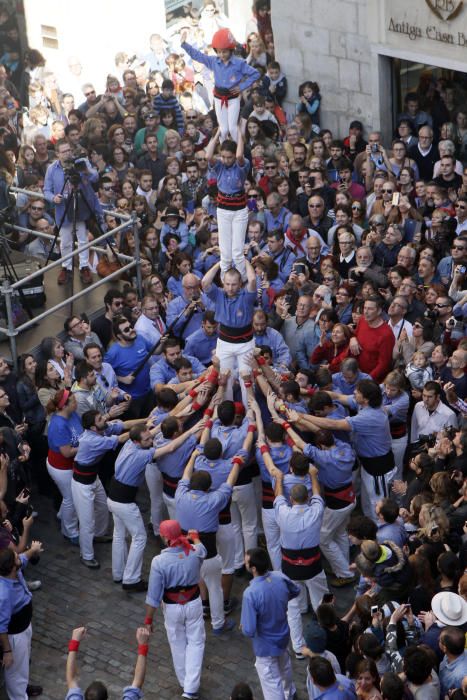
327 41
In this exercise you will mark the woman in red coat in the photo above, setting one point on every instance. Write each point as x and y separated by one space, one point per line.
335 350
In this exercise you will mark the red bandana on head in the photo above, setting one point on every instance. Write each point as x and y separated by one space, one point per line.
172 532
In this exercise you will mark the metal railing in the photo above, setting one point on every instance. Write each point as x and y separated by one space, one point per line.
9 289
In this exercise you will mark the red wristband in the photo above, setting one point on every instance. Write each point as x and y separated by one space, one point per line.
195 406
286 425
212 377
251 428
248 383
208 424
73 645
310 390
285 377
261 360
148 620
143 649
257 373
237 460
264 449
193 393
209 412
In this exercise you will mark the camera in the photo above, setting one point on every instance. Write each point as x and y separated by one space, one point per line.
428 440
74 168
461 269
431 315
299 269
374 148
450 432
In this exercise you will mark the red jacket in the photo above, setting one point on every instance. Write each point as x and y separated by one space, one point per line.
326 352
376 344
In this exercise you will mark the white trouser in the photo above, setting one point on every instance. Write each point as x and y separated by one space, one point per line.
227 117
154 483
69 519
66 243
317 587
272 534
170 504
399 446
186 634
225 540
234 356
244 521
370 497
17 675
127 565
211 573
232 231
334 540
275 676
90 502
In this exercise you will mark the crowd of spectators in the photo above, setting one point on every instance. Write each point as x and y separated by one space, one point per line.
356 247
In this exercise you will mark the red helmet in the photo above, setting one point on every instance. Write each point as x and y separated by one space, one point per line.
223 39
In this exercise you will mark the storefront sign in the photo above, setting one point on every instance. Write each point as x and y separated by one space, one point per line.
445 9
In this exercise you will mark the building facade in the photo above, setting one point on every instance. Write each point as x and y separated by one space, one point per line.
367 54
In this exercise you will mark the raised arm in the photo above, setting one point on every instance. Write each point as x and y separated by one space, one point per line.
71 665
251 276
188 471
211 147
142 637
208 278
240 149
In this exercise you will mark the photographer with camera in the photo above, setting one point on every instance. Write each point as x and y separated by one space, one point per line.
447 328
64 179
194 301
429 417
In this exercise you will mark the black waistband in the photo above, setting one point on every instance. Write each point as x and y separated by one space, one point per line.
340 497
301 564
85 473
235 335
223 92
209 541
180 595
169 484
378 466
122 493
20 620
267 495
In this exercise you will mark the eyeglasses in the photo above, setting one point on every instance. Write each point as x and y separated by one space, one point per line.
459 206
387 190
252 196
127 329
459 247
107 189
442 306
318 296
270 167
118 303
200 158
356 209
418 325
342 294
75 325
37 208
191 116
315 206
328 279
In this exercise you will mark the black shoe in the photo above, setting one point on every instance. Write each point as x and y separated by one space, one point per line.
230 605
137 587
34 690
90 563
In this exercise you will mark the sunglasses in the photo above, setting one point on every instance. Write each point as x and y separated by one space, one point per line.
356 209
37 208
387 191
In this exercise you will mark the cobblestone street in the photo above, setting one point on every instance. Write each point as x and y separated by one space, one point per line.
72 595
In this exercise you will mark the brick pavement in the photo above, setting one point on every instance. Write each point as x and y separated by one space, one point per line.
72 595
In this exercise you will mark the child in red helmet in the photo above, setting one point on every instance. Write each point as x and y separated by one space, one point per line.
231 75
